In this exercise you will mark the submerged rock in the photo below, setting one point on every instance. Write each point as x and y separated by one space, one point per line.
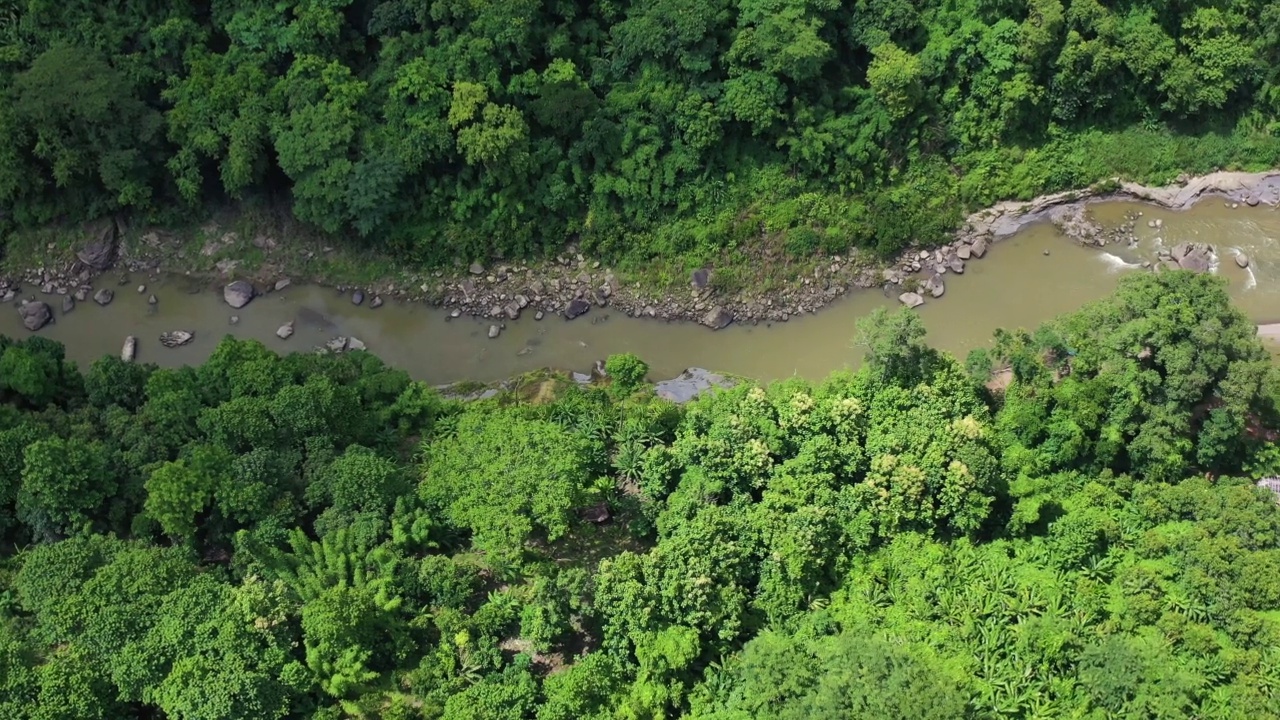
130 349
104 296
238 293
35 315
176 338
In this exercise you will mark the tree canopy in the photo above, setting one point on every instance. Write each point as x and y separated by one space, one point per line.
321 537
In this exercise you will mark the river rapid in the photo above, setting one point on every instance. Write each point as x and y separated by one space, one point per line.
1024 280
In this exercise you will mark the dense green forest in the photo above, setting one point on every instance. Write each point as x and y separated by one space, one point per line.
453 129
321 537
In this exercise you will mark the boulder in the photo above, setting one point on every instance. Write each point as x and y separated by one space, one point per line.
238 293
1196 257
1242 260
285 331
356 344
104 296
538 315
979 247
494 331
376 302
281 284
100 253
152 300
576 309
357 297
512 310
717 318
176 338
130 349
700 278
35 315
336 345
476 269
964 252
911 299
68 304
956 266
1251 201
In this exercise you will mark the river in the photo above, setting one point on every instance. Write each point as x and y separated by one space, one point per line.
1016 284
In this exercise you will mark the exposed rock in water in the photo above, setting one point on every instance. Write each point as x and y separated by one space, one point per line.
281 284
234 320
35 315
130 349
152 300
285 331
911 299
1196 257
68 304
700 278
104 296
100 253
494 331
376 302
512 310
356 344
689 384
1073 221
142 289
964 252
538 315
576 309
956 266
357 297
934 286
1242 260
717 319
979 247
176 338
336 345
238 293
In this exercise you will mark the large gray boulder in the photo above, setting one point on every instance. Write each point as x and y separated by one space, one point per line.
717 319
101 252
1196 257
576 308
238 294
35 315
700 278
104 296
911 299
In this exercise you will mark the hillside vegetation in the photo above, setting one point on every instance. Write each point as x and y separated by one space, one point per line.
444 129
319 537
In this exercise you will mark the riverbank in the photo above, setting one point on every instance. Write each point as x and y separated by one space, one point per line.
77 262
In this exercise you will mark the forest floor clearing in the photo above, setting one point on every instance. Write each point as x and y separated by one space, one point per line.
748 285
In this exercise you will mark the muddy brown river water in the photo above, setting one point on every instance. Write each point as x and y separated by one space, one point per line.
1016 284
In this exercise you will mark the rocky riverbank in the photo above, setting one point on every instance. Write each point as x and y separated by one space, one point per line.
573 286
